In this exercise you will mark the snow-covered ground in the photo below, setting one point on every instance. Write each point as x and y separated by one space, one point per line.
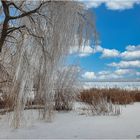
73 125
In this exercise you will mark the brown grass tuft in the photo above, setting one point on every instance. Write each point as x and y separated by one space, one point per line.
115 95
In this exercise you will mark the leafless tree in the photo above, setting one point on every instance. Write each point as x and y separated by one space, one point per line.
67 87
39 36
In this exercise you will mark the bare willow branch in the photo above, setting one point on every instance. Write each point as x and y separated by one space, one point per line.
45 34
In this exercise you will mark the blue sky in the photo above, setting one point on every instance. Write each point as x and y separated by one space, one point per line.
118 55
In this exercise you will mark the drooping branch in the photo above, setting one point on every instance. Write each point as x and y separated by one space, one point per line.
5 24
8 17
42 52
26 13
14 29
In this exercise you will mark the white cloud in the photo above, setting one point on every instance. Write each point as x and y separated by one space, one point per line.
103 72
110 53
130 55
132 47
120 5
112 4
132 52
93 3
123 71
111 75
126 64
89 75
98 48
107 75
83 51
87 50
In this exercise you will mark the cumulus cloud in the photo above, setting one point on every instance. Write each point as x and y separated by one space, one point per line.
98 48
112 4
132 52
107 75
132 47
83 51
102 75
110 76
121 5
110 53
106 53
103 72
126 64
93 3
118 74
126 68
89 75
87 50
130 55
122 71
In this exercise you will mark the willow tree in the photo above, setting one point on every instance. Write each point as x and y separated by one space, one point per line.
42 33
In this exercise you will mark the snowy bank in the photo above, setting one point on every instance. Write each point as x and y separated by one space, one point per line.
73 125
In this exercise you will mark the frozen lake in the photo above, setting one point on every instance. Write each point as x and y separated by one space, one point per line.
122 85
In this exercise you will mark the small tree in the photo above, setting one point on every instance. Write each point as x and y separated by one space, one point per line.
67 87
